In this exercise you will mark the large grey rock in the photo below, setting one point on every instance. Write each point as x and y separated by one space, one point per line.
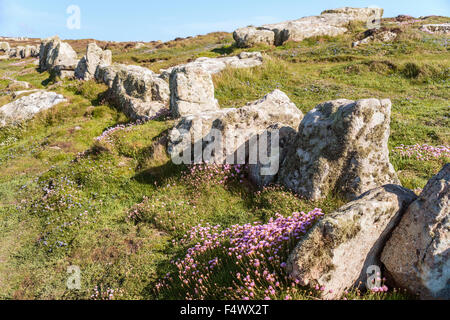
341 146
357 14
216 65
329 23
139 92
236 127
16 52
191 91
94 57
4 47
298 30
46 47
251 36
57 57
418 254
191 85
337 252
26 107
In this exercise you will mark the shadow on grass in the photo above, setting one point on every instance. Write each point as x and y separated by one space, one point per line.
158 175
225 50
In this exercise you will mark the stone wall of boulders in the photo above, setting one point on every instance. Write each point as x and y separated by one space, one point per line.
443 28
387 227
57 57
95 56
329 23
20 52
181 90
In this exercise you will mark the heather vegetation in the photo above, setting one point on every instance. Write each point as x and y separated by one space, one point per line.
81 184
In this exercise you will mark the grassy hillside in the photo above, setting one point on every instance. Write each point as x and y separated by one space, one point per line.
73 192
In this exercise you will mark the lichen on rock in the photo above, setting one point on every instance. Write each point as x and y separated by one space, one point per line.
341 146
418 254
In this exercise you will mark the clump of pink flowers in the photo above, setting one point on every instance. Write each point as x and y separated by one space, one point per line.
423 152
250 259
108 294
216 173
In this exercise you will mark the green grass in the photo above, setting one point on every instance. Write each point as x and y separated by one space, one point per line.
119 206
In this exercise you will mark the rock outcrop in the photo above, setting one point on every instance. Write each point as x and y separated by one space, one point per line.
191 91
376 35
107 74
216 65
329 23
58 57
30 51
443 28
26 107
191 85
337 252
228 134
24 52
262 174
94 57
251 36
341 146
139 92
418 254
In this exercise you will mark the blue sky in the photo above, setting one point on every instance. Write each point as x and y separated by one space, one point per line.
140 20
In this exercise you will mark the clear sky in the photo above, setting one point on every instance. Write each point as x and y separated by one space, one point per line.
140 20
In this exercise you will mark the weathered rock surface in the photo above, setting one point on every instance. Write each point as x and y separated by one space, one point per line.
337 252
216 65
443 28
26 107
107 74
191 85
24 52
251 36
139 92
263 174
58 57
418 254
236 127
341 146
191 91
329 23
94 57
4 47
